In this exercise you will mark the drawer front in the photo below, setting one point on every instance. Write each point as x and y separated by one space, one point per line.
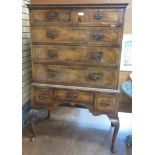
104 102
76 54
51 16
73 95
80 35
99 16
41 96
74 75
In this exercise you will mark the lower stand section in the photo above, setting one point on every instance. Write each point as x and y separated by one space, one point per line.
114 123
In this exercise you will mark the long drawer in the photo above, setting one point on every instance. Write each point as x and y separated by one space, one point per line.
79 16
76 54
74 75
80 35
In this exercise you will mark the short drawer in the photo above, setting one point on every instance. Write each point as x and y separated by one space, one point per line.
75 75
76 54
77 35
99 16
41 96
73 95
54 16
104 102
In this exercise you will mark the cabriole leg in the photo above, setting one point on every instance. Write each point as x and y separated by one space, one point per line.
114 123
49 115
32 118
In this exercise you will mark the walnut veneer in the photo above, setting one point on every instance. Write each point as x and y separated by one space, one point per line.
76 51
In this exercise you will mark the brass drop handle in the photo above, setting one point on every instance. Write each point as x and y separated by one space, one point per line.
51 16
97 36
98 16
52 74
52 53
94 76
51 34
43 97
104 104
71 95
96 56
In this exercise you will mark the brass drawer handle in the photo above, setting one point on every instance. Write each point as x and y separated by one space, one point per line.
52 53
104 104
97 36
71 95
51 16
51 34
96 55
94 77
98 16
52 74
43 97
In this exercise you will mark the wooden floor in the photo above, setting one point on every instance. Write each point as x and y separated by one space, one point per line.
74 131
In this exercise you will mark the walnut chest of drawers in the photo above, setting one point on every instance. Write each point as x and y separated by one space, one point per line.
76 53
